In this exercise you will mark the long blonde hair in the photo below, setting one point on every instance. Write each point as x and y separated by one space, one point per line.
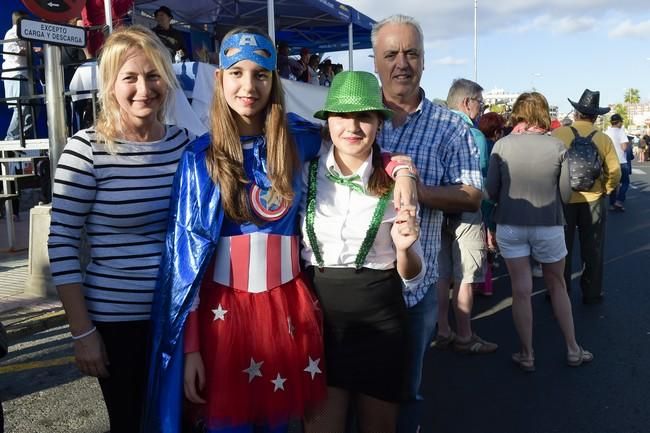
109 124
225 157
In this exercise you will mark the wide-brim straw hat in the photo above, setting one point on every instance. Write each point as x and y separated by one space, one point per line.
353 92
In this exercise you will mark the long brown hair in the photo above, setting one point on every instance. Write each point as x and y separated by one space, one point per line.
225 157
380 182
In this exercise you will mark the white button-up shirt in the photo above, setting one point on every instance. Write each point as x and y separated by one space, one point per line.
12 61
342 218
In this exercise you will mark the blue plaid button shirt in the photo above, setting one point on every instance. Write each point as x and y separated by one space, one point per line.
443 150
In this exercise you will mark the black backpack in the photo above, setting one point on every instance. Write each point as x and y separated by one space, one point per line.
585 163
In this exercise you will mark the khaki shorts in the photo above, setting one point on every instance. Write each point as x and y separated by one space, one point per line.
463 251
544 243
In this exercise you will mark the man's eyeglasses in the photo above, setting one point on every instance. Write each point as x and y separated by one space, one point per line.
480 101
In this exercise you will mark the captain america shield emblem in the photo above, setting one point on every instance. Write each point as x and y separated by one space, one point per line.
266 205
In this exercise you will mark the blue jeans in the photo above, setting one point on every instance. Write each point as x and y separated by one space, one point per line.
15 89
422 323
619 193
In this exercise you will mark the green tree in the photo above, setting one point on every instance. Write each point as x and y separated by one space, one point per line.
632 96
499 108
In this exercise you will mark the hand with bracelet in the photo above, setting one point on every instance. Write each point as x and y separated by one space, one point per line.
89 351
90 354
405 193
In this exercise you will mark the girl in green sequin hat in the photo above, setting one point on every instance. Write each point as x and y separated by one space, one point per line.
361 254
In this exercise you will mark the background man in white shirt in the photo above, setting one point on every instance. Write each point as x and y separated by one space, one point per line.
15 79
617 133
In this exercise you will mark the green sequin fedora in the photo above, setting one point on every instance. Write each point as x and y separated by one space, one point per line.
351 92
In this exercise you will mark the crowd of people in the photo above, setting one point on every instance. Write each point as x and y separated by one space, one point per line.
308 68
277 270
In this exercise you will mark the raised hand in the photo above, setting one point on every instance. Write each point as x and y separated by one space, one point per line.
405 230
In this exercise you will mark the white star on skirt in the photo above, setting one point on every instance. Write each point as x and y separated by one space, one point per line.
255 369
219 313
312 368
278 382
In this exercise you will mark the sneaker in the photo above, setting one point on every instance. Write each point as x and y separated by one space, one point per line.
537 270
475 346
444 343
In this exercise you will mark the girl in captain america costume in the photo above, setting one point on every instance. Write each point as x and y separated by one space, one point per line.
235 327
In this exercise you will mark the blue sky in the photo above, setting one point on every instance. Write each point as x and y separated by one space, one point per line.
559 47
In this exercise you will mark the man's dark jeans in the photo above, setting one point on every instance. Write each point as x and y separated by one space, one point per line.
618 195
589 218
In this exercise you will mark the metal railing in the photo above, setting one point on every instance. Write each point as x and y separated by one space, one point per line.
11 181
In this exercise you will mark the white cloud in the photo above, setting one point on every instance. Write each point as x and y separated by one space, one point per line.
564 25
448 20
574 25
539 22
450 61
628 29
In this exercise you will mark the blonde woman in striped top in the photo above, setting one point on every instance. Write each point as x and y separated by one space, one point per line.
113 181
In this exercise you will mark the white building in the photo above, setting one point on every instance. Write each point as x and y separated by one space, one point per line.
639 114
501 97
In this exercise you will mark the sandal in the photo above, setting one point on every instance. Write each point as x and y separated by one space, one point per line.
475 346
577 359
444 343
525 364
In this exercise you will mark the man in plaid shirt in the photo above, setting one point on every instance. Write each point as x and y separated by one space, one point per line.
442 148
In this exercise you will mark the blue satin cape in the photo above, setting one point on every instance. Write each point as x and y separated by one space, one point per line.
193 231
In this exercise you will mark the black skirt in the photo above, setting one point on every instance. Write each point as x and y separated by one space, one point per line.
365 330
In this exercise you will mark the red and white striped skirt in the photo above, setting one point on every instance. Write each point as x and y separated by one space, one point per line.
262 351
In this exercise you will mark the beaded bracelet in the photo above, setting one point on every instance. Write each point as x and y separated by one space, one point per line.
85 334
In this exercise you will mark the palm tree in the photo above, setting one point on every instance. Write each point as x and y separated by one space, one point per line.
632 96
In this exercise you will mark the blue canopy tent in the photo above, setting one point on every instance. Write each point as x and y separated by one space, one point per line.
320 25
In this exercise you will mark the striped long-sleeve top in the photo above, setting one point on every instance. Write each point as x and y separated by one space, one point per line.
122 202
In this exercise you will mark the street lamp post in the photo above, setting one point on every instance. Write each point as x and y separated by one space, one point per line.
475 41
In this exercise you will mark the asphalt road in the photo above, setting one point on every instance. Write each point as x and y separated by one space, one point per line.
488 394
43 392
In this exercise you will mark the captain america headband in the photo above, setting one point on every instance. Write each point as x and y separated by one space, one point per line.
247 46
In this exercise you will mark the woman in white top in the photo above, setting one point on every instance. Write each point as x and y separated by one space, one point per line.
361 254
